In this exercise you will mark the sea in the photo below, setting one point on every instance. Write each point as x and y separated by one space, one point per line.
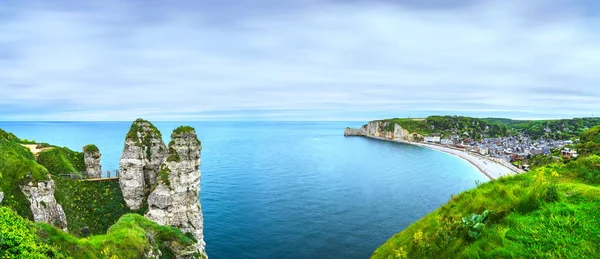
292 189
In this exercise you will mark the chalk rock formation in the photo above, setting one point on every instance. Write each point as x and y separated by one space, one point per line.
91 157
383 129
355 132
143 153
43 205
176 199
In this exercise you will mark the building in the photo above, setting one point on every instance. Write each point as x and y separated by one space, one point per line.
568 153
432 139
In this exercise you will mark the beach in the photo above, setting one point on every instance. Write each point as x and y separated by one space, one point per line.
490 167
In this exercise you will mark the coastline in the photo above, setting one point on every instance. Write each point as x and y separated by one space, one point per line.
491 168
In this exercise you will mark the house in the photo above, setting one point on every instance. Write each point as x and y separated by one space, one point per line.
446 141
432 139
568 153
484 151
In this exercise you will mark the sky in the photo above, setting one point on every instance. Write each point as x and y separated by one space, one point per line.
359 60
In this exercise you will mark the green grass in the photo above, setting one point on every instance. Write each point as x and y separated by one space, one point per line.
91 148
412 125
17 167
146 134
61 160
525 221
19 238
448 125
184 129
95 205
131 237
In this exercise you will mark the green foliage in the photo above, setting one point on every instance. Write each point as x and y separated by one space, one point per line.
95 205
19 238
143 135
131 237
61 160
550 212
91 148
164 175
586 169
474 224
449 125
184 129
558 129
17 167
173 155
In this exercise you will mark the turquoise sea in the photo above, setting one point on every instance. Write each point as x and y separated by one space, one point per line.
292 189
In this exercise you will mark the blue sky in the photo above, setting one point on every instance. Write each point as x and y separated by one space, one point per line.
298 60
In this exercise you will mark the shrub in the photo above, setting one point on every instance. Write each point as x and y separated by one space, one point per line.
61 160
19 238
474 225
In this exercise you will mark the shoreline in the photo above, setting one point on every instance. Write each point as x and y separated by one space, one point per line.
492 169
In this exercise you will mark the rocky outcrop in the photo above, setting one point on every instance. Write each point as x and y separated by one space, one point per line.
362 131
383 129
176 199
43 204
91 157
143 153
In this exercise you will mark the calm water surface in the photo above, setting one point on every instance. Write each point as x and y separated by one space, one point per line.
292 189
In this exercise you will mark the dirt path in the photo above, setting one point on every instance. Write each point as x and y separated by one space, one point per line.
33 148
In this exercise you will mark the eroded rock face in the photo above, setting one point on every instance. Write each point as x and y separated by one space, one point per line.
43 204
91 157
382 129
355 132
176 199
143 153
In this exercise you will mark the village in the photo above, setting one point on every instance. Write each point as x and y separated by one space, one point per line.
511 149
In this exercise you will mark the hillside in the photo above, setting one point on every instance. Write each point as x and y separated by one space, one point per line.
100 224
551 211
478 128
554 129
451 125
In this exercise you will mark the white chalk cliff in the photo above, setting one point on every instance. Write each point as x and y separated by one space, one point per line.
382 129
43 204
91 157
143 153
176 199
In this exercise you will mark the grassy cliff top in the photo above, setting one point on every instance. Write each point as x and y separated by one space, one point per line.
17 167
136 127
450 125
552 211
131 237
91 148
184 129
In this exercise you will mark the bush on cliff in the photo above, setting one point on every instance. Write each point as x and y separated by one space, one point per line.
61 160
552 211
133 236
19 238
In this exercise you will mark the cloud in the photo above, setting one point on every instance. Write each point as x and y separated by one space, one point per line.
309 60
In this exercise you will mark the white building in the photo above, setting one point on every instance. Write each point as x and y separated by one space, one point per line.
429 139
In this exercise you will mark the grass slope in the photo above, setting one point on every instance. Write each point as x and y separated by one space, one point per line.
133 236
552 211
95 205
19 238
61 160
17 166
